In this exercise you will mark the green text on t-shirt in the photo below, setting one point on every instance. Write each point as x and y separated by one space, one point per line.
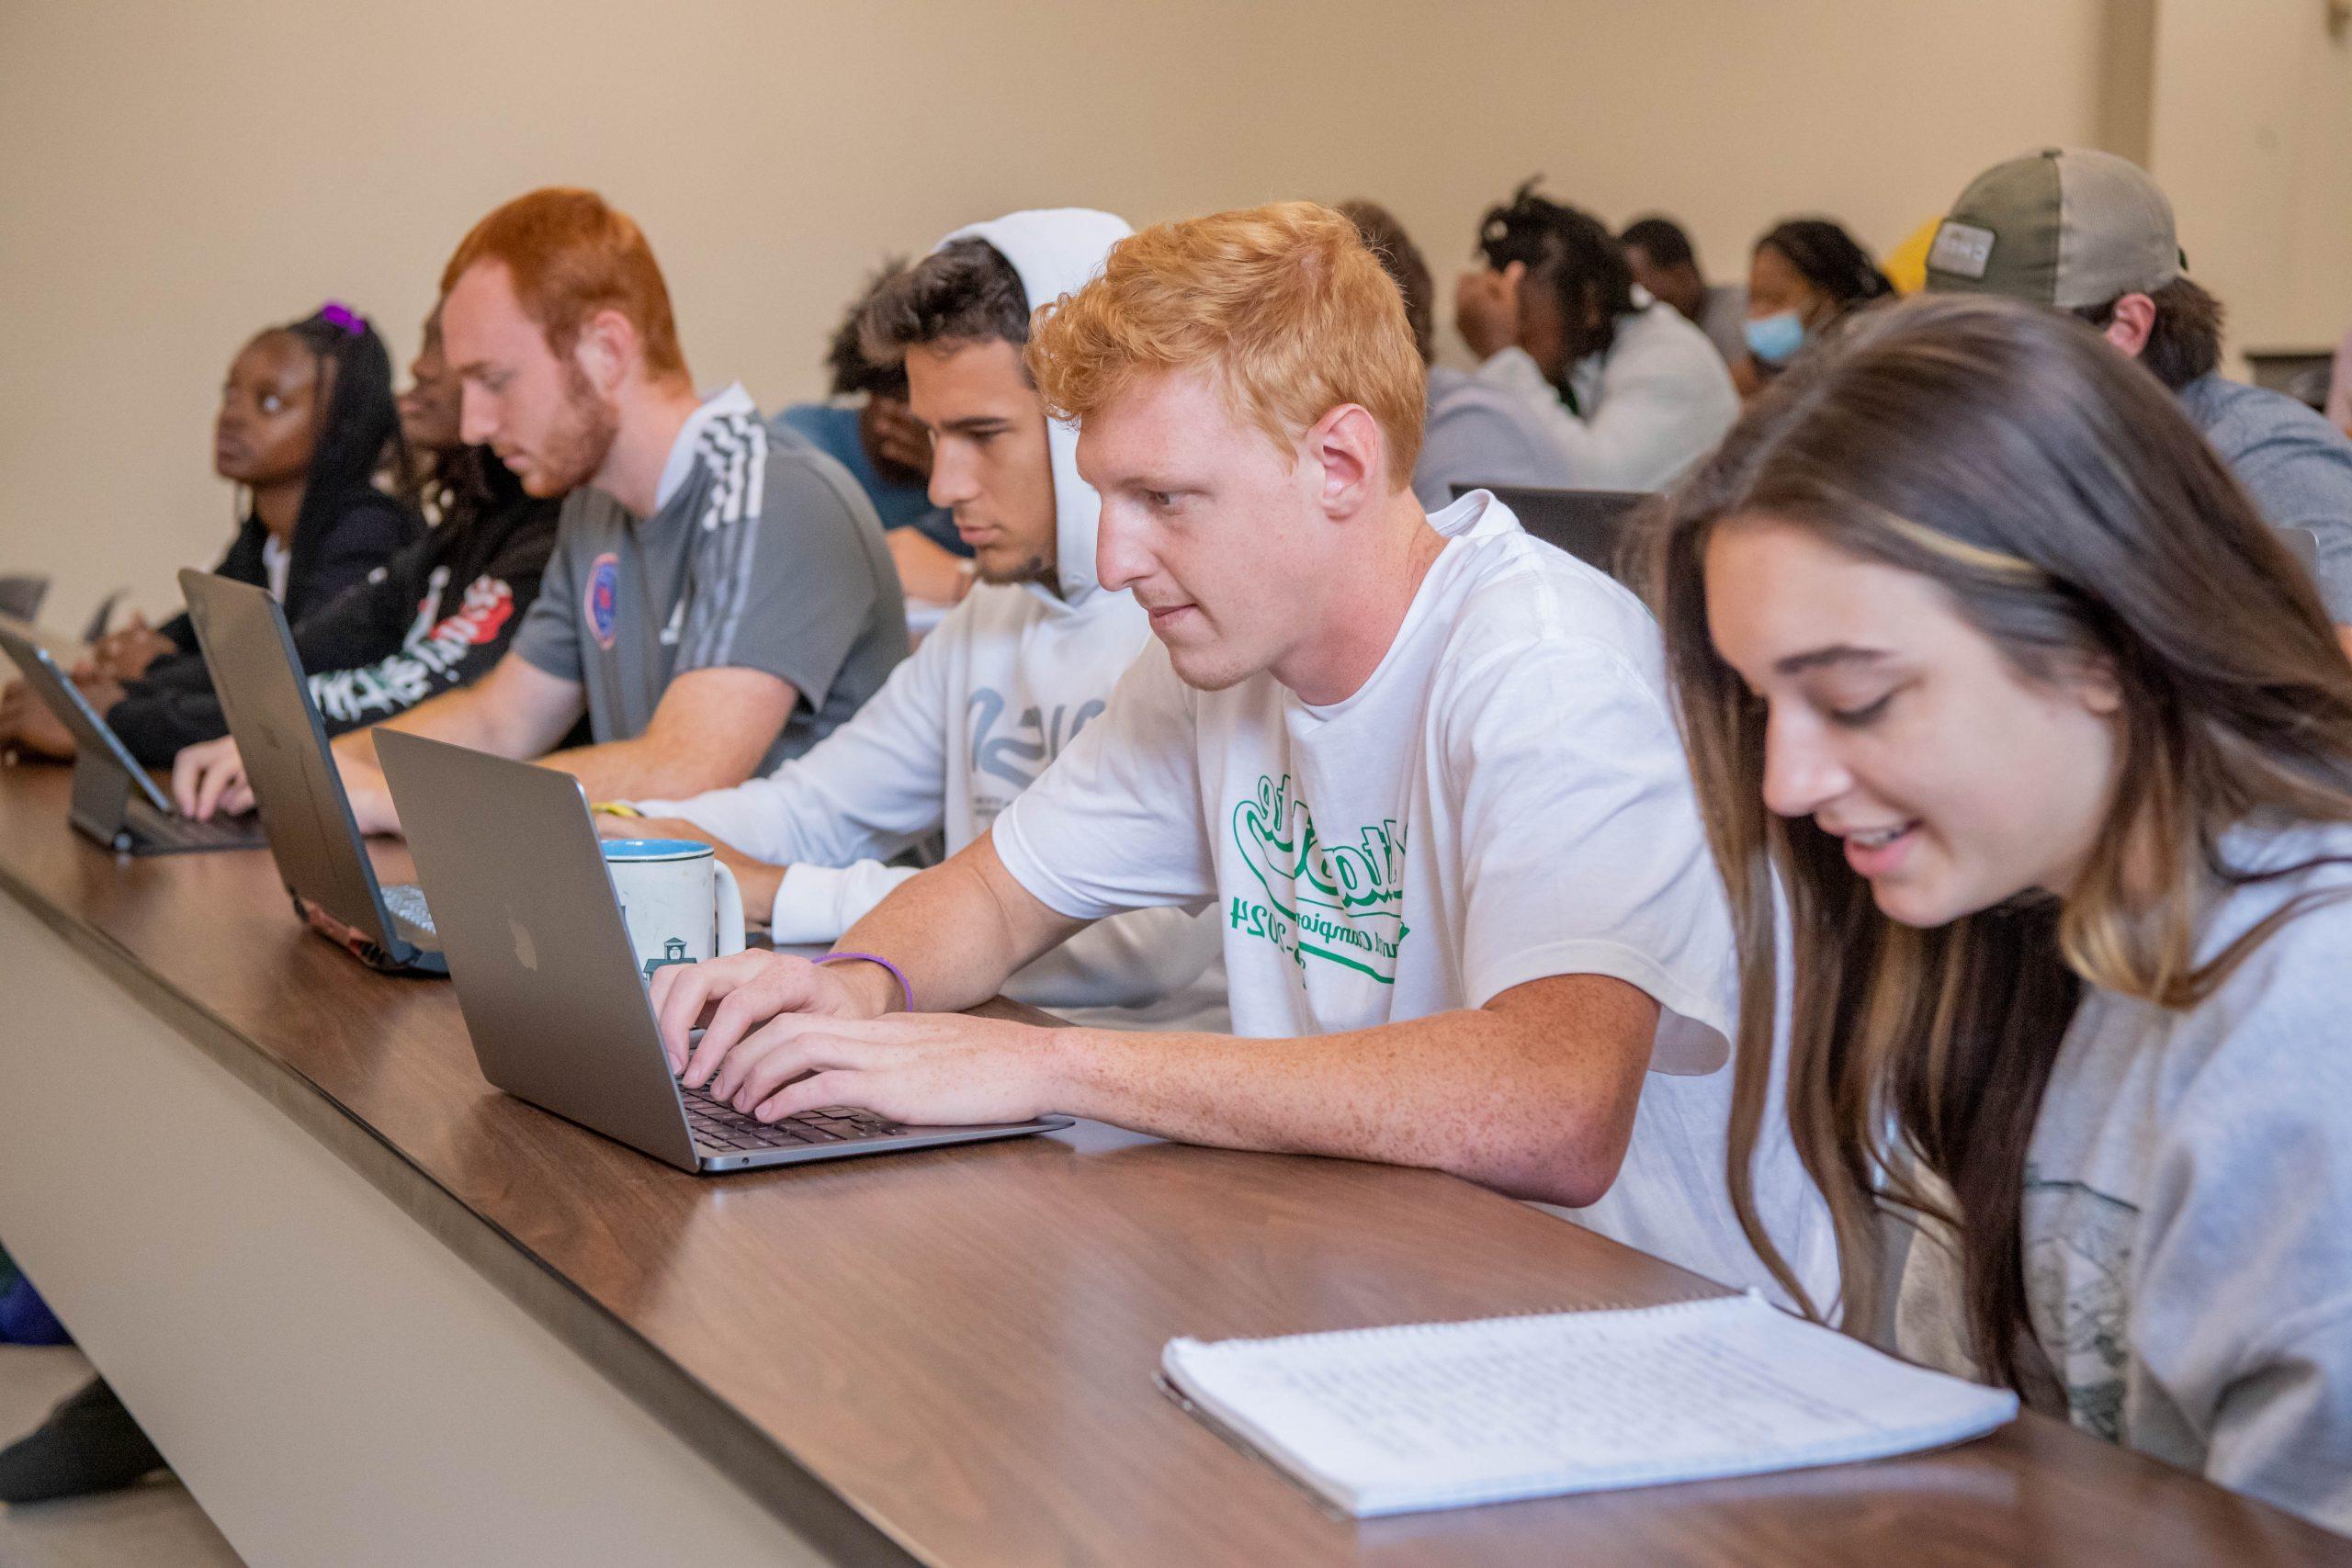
1344 904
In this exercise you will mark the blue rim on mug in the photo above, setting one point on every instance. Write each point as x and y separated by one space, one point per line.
638 852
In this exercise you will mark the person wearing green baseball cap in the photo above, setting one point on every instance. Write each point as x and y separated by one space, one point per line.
2091 233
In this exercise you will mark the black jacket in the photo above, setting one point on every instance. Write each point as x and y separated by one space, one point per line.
435 616
364 532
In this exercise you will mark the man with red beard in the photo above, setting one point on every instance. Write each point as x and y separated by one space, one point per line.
717 601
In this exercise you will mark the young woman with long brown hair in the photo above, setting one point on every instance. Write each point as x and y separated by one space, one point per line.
1987 664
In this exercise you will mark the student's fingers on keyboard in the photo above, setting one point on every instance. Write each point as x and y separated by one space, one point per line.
757 1047
186 771
785 1050
213 788
739 992
224 781
677 994
737 1014
191 767
203 793
837 1086
727 1082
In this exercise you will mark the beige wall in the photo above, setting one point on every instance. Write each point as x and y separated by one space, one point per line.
2253 141
177 176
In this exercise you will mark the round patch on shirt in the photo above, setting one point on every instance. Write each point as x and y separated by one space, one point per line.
603 600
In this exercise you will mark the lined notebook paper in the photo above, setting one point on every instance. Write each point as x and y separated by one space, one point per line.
1441 1415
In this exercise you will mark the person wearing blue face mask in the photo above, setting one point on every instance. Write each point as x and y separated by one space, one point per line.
1805 273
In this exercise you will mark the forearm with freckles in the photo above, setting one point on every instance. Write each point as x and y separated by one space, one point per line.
959 931
1532 1095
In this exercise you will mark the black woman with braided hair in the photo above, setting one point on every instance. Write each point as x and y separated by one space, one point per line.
307 422
1629 390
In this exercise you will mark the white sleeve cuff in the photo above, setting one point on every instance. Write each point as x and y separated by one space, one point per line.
818 903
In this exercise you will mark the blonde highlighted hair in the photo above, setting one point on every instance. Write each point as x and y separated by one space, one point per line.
1282 305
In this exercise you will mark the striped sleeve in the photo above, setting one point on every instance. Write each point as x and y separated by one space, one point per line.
781 582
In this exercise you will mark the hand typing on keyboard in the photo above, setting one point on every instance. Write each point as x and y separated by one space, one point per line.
210 778
725 1127
936 1068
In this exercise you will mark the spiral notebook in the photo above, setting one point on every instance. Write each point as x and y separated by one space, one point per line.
1441 1416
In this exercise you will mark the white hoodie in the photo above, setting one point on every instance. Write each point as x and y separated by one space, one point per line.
991 697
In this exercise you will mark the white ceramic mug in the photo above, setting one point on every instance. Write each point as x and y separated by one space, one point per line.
681 905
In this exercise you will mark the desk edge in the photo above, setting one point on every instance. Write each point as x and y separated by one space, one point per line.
684 1405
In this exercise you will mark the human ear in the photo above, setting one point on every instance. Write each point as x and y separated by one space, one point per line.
1353 455
605 349
2095 685
2134 318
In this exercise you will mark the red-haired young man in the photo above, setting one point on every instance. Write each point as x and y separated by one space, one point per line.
714 604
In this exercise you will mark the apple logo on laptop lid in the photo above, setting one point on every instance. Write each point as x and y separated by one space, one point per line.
526 952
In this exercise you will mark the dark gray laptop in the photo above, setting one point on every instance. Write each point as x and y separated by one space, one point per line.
114 800
321 856
549 982
1587 524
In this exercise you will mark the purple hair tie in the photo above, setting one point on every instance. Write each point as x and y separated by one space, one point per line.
335 313
905 991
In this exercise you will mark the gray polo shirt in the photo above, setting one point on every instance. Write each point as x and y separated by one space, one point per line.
2297 466
763 554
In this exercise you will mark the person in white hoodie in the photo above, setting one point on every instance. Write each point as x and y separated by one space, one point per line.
1011 675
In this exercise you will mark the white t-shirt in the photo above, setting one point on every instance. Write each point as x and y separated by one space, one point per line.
1504 800
276 561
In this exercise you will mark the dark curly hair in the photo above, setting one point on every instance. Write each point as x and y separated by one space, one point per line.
846 362
1573 252
964 292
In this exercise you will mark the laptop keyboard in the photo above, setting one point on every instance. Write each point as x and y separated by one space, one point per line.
722 1126
187 832
405 901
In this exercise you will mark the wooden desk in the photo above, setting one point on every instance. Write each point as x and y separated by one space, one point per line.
377 1312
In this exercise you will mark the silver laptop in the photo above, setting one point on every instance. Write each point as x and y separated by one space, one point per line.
549 982
321 856
1587 524
114 800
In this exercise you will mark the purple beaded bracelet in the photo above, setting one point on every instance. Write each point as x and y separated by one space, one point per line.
906 992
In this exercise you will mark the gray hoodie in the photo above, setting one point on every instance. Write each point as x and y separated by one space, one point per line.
2188 1208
